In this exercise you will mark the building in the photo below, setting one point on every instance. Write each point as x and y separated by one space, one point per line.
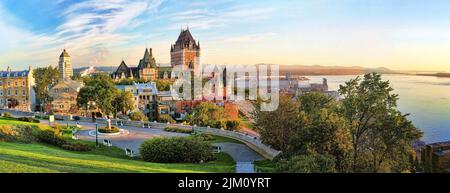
185 54
436 157
146 70
16 90
145 97
64 96
65 66
64 93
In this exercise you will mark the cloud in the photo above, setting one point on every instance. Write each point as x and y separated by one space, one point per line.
251 37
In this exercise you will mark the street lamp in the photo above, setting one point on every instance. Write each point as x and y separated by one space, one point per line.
96 134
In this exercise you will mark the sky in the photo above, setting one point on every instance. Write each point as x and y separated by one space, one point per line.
400 34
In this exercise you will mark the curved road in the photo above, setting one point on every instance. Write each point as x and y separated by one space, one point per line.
242 155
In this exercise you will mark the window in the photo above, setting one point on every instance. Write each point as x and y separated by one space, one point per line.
1 83
9 92
16 92
1 92
15 83
9 83
23 92
23 83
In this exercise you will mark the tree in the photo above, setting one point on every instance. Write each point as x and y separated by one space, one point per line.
44 77
276 127
207 114
123 102
312 163
163 85
100 89
138 116
381 135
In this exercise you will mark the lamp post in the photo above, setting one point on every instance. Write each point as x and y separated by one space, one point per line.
96 134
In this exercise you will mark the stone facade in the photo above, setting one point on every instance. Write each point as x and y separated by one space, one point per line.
145 97
185 53
64 96
16 90
146 69
65 66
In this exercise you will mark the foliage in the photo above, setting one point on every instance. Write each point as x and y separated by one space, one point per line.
100 89
72 146
44 77
177 129
176 150
381 135
51 137
166 119
28 119
138 116
208 114
233 125
163 85
7 115
107 130
314 163
22 134
124 102
364 132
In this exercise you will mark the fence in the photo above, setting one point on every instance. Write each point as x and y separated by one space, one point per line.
252 142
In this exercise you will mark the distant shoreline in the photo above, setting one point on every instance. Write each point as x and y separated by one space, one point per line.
440 75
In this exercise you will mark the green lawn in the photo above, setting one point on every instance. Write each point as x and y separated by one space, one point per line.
31 158
220 139
43 158
265 166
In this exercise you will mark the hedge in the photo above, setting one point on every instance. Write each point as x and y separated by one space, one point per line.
176 150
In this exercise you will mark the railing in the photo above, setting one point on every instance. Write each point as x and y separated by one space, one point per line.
252 142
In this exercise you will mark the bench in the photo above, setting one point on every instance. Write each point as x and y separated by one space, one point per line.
146 125
119 123
217 149
107 142
129 152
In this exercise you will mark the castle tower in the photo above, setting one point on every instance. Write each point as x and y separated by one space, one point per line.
65 66
185 53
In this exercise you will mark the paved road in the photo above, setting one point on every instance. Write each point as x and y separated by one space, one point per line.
243 155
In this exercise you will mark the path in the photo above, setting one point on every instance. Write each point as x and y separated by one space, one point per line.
242 155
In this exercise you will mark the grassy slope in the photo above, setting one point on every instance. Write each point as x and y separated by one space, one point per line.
16 157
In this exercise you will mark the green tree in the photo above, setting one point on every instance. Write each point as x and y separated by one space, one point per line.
44 77
138 116
163 85
123 102
312 163
276 127
381 135
207 114
100 89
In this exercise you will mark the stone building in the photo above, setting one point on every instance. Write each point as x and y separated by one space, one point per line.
65 66
185 54
64 93
145 97
146 69
16 90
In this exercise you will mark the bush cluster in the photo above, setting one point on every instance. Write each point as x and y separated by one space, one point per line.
106 130
177 129
22 134
166 119
7 115
176 150
54 137
28 119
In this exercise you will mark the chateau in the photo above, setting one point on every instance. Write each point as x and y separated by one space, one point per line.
184 55
16 90
65 66
146 69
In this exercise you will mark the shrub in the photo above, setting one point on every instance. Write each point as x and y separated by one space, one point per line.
45 117
138 116
176 150
72 146
233 125
23 134
106 130
177 129
7 115
314 163
28 119
166 119
206 137
50 137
